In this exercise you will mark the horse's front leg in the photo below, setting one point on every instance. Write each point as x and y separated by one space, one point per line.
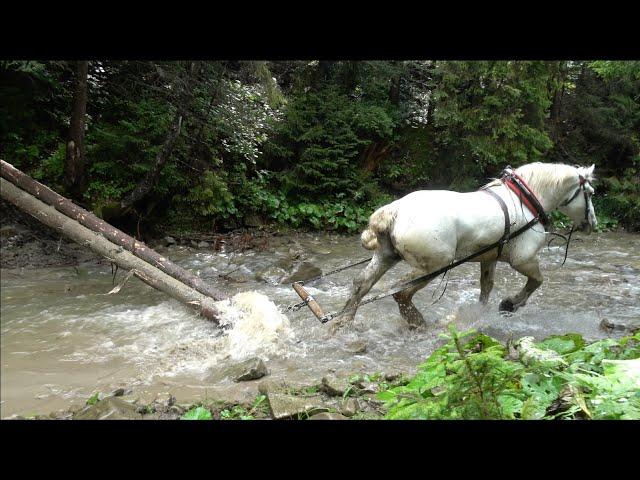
534 279
487 272
381 262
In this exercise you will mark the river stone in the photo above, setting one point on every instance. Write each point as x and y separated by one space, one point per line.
203 244
301 272
169 241
334 386
165 400
272 274
285 406
328 416
626 325
112 408
349 407
392 376
357 346
250 369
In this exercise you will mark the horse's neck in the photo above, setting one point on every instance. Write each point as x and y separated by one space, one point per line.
551 198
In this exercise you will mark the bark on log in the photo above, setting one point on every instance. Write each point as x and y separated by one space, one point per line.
114 235
114 253
74 169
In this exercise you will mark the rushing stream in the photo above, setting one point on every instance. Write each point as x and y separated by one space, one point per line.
63 338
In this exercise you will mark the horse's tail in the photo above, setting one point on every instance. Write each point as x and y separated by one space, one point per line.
379 222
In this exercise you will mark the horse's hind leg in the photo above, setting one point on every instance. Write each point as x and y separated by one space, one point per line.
407 309
487 272
534 279
383 259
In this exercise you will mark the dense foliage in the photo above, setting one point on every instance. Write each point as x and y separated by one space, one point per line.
317 144
475 377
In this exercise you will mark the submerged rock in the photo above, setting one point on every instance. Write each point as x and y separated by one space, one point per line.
250 369
301 272
272 275
285 406
111 408
357 346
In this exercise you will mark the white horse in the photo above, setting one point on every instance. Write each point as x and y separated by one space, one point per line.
429 229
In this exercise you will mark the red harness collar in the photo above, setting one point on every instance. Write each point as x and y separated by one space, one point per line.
525 194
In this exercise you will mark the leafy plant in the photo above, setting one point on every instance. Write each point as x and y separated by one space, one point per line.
471 377
197 413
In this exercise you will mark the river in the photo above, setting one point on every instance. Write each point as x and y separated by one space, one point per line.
63 338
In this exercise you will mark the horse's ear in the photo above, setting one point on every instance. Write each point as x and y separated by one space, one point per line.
590 170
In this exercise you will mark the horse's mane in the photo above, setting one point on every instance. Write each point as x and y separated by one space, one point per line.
545 177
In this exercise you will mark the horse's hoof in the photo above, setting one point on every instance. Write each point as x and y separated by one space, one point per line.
506 306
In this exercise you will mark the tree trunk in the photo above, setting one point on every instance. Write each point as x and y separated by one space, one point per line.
151 178
114 235
75 175
114 253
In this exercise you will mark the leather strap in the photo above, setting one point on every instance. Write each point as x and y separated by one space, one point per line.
516 184
507 222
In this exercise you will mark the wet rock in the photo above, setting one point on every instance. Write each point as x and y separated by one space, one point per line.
165 400
334 386
301 272
283 406
112 408
327 416
357 346
392 376
119 392
203 244
250 369
271 275
193 243
349 407
177 410
169 241
620 325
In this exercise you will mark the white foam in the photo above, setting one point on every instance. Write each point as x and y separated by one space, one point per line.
256 325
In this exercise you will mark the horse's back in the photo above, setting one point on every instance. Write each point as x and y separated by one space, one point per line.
432 227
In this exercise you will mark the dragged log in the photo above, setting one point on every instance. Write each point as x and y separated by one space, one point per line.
114 253
89 220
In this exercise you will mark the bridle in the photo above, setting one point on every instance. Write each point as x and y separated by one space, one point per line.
519 187
583 186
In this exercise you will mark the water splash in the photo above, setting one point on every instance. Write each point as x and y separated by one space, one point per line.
256 325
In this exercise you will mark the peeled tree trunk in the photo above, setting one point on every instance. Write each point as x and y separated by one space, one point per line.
89 220
114 253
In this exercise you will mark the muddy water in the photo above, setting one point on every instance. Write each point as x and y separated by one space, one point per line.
62 337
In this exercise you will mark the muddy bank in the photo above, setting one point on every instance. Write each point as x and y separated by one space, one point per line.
330 398
27 243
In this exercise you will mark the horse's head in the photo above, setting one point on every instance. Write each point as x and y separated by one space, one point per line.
577 204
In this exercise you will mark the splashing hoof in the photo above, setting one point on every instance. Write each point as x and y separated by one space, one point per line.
506 306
